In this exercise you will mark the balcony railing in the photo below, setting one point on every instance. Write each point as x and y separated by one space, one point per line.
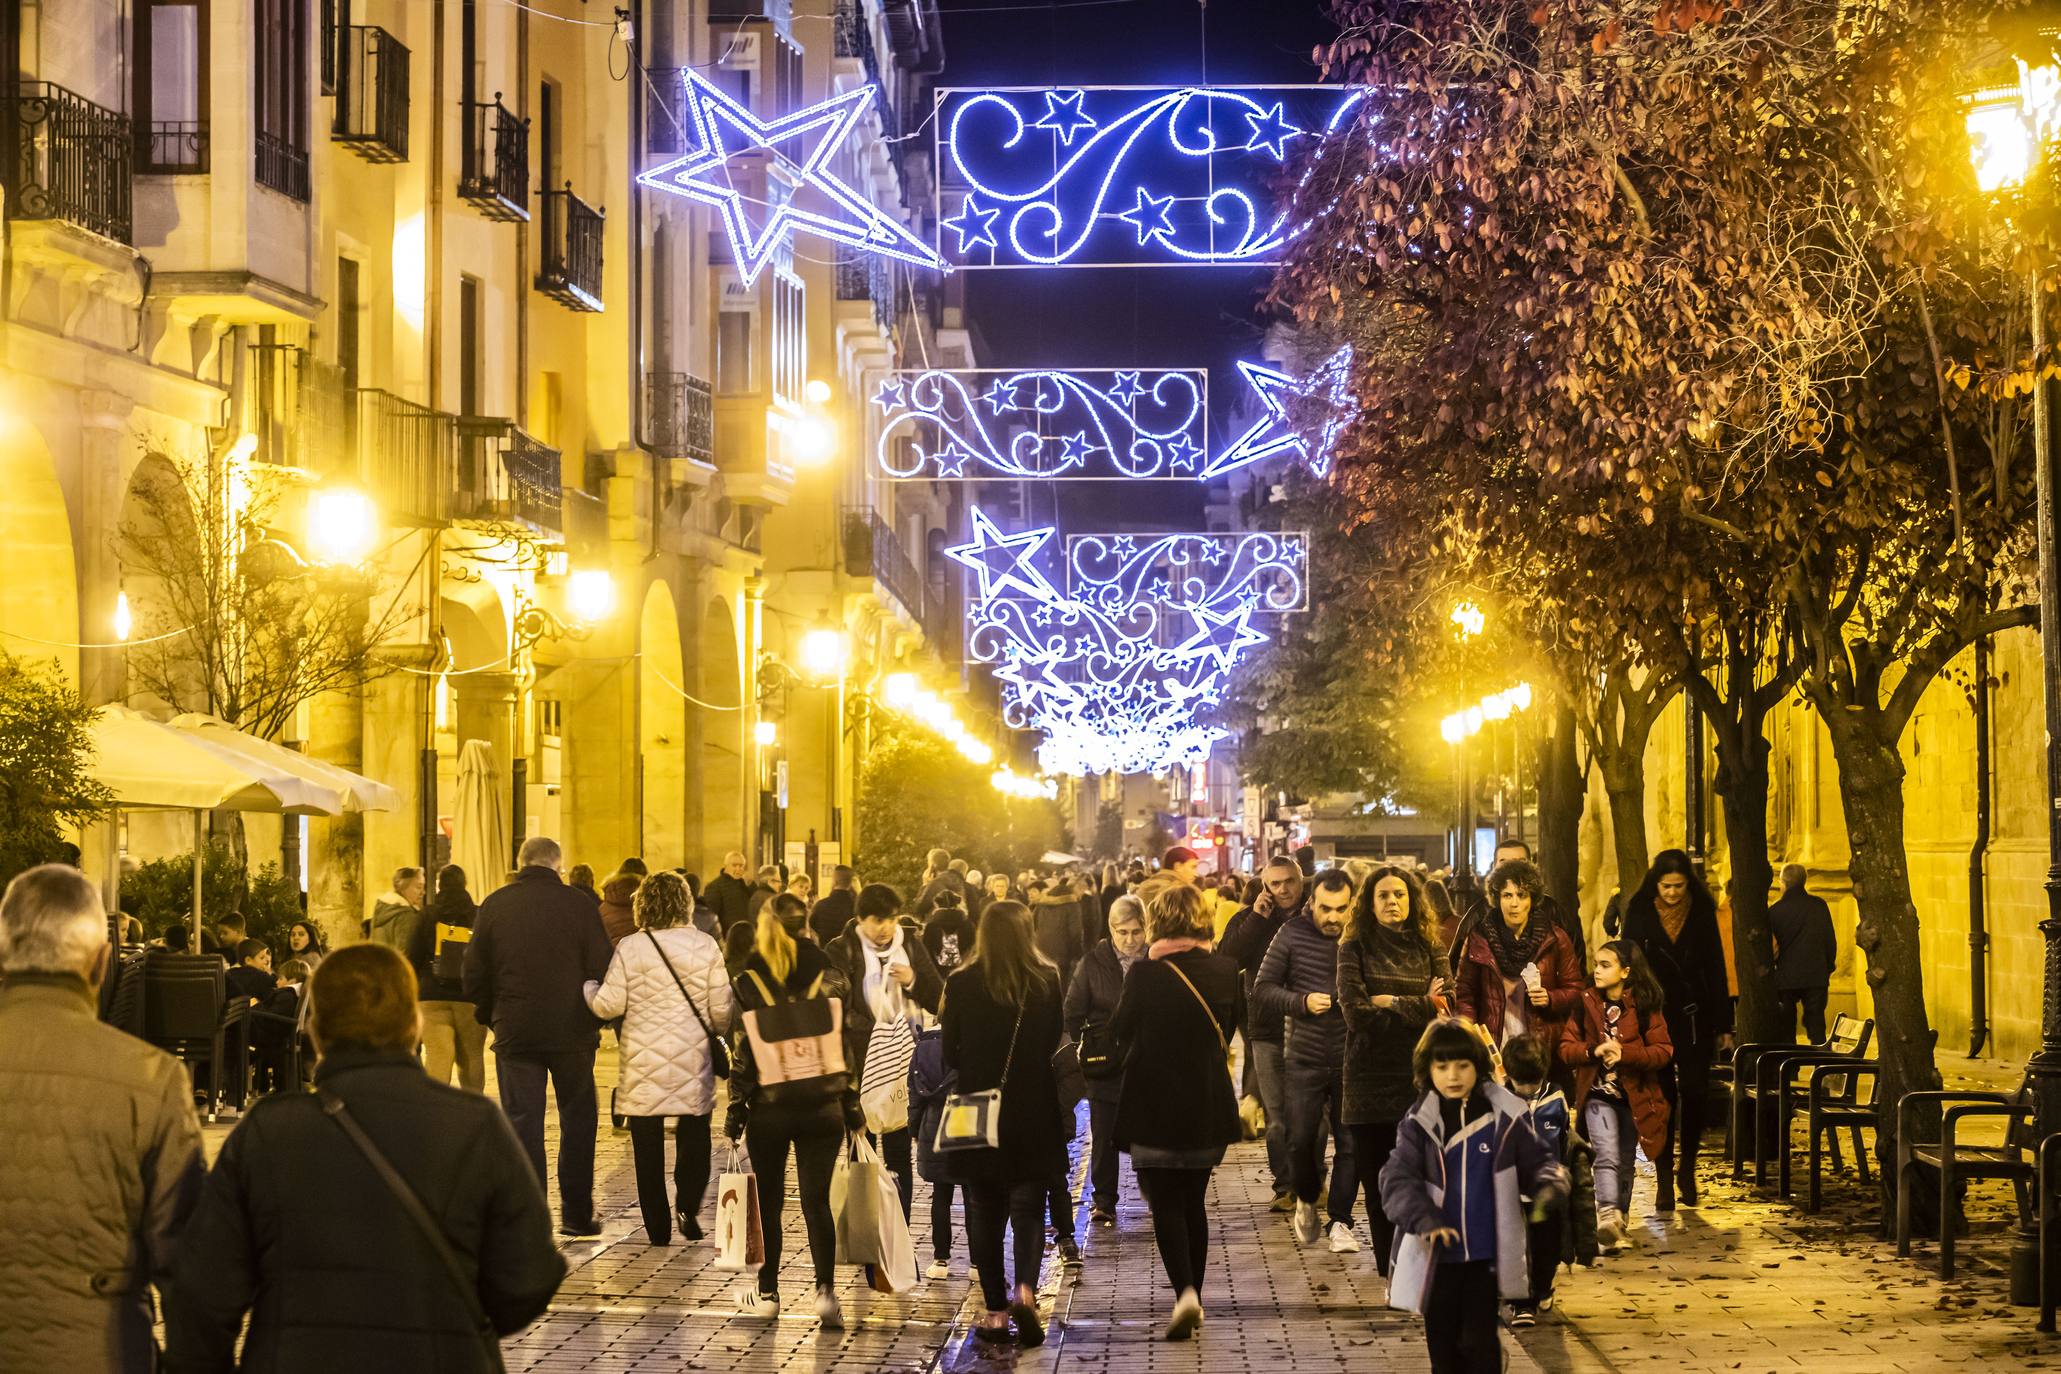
680 416
868 276
853 37
372 94
282 166
667 130
872 549
408 457
494 166
570 268
68 159
506 476
300 412
173 148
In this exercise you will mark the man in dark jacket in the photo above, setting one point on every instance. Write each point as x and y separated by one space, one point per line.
1298 983
535 946
1247 938
1098 985
1806 951
1570 923
728 895
941 873
1056 917
834 910
296 1227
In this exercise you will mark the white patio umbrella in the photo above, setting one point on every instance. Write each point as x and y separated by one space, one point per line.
359 793
479 832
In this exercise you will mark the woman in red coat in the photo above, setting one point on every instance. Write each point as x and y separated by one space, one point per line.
1617 1044
1518 975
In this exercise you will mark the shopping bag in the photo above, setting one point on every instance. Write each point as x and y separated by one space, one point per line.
871 1229
740 1243
1409 1275
884 1084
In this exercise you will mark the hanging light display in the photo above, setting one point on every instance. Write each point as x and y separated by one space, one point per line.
981 423
1326 387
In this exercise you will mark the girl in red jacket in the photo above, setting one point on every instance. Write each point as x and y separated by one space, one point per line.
1616 1043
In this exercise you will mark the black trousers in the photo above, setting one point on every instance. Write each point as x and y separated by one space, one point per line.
1314 1099
521 1078
1460 1316
1179 1201
941 1222
1812 1002
690 1170
894 1147
1373 1143
1543 1245
990 1209
1686 1084
1102 1154
1059 1195
767 1139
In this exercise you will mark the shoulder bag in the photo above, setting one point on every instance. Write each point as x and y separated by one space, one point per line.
718 1049
432 1234
973 1121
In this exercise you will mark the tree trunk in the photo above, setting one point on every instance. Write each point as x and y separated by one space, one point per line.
1561 798
1871 779
1744 794
1624 782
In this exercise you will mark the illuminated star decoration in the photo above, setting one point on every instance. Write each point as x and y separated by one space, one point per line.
1135 424
1270 132
1221 636
1064 116
1152 216
890 396
1127 388
801 145
1003 562
1329 383
974 224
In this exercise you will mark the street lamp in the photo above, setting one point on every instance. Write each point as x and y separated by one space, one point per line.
824 650
342 526
1468 619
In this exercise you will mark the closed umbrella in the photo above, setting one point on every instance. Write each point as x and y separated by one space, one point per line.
479 832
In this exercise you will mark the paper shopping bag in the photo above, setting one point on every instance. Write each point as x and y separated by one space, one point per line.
871 1229
1409 1277
740 1243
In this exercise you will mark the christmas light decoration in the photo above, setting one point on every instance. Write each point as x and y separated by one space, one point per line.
1123 175
1113 570
981 423
763 199
1326 390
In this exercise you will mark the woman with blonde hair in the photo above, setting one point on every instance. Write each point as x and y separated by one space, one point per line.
1177 1111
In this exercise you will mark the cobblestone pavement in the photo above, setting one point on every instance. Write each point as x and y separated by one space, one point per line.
1743 1284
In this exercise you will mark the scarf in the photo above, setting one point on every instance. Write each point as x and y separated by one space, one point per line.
1513 951
1124 962
1672 918
1177 944
883 995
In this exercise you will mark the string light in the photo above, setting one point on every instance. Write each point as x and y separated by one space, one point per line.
977 423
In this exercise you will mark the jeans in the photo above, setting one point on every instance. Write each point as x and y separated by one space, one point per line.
1373 1142
1314 1098
1812 1001
690 1171
1018 1207
1607 1122
1179 1199
894 1149
451 1034
1102 1155
571 1074
1460 1318
1267 1068
941 1222
767 1139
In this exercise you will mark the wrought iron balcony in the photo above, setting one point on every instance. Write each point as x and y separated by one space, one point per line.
872 549
407 456
506 476
868 276
68 159
371 94
570 269
494 164
173 148
667 129
300 412
680 415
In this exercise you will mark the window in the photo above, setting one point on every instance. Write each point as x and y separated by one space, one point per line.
736 338
170 93
348 304
547 135
790 338
281 62
470 370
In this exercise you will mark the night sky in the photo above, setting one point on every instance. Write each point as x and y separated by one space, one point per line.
1114 317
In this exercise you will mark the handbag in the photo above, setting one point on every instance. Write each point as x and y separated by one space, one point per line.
468 1293
973 1121
1098 1053
718 1049
871 1229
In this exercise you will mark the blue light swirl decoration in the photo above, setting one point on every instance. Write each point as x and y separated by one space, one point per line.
1123 176
1190 570
800 146
983 423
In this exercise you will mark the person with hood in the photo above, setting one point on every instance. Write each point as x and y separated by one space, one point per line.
948 933
1090 1011
394 915
1616 1042
618 892
807 1118
451 1033
892 975
1056 917
1517 975
1673 919
1391 980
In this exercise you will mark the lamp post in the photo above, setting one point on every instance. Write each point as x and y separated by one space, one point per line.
2009 127
590 599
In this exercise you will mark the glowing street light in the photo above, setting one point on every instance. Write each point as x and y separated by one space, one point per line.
823 652
123 622
1468 619
590 594
898 690
767 733
343 526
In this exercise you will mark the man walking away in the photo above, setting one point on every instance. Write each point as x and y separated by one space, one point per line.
1806 951
100 1159
535 947
1246 940
834 910
395 914
770 885
728 895
1298 983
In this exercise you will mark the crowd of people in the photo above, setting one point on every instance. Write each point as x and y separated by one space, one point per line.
1479 1081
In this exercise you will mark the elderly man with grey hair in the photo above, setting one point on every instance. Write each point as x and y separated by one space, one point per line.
100 1159
1098 985
536 944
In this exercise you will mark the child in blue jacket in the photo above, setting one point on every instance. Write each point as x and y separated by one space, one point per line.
1464 1159
1545 1108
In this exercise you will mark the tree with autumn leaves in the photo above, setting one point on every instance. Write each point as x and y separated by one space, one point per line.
1669 318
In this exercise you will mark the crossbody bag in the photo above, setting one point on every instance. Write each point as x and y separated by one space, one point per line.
973 1121
1203 1002
432 1234
718 1051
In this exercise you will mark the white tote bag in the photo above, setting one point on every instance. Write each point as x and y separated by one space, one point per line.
871 1229
884 1085
740 1244
1409 1277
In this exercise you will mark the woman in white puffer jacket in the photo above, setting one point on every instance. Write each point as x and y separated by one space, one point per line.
668 984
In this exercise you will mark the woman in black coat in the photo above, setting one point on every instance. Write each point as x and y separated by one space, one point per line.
337 1277
1177 1110
1673 918
1001 1024
1391 967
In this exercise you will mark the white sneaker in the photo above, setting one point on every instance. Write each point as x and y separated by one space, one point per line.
1609 1229
1187 1316
757 1304
1342 1241
828 1311
1306 1228
937 1269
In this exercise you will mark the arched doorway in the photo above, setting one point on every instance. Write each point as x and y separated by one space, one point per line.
662 731
720 683
39 596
